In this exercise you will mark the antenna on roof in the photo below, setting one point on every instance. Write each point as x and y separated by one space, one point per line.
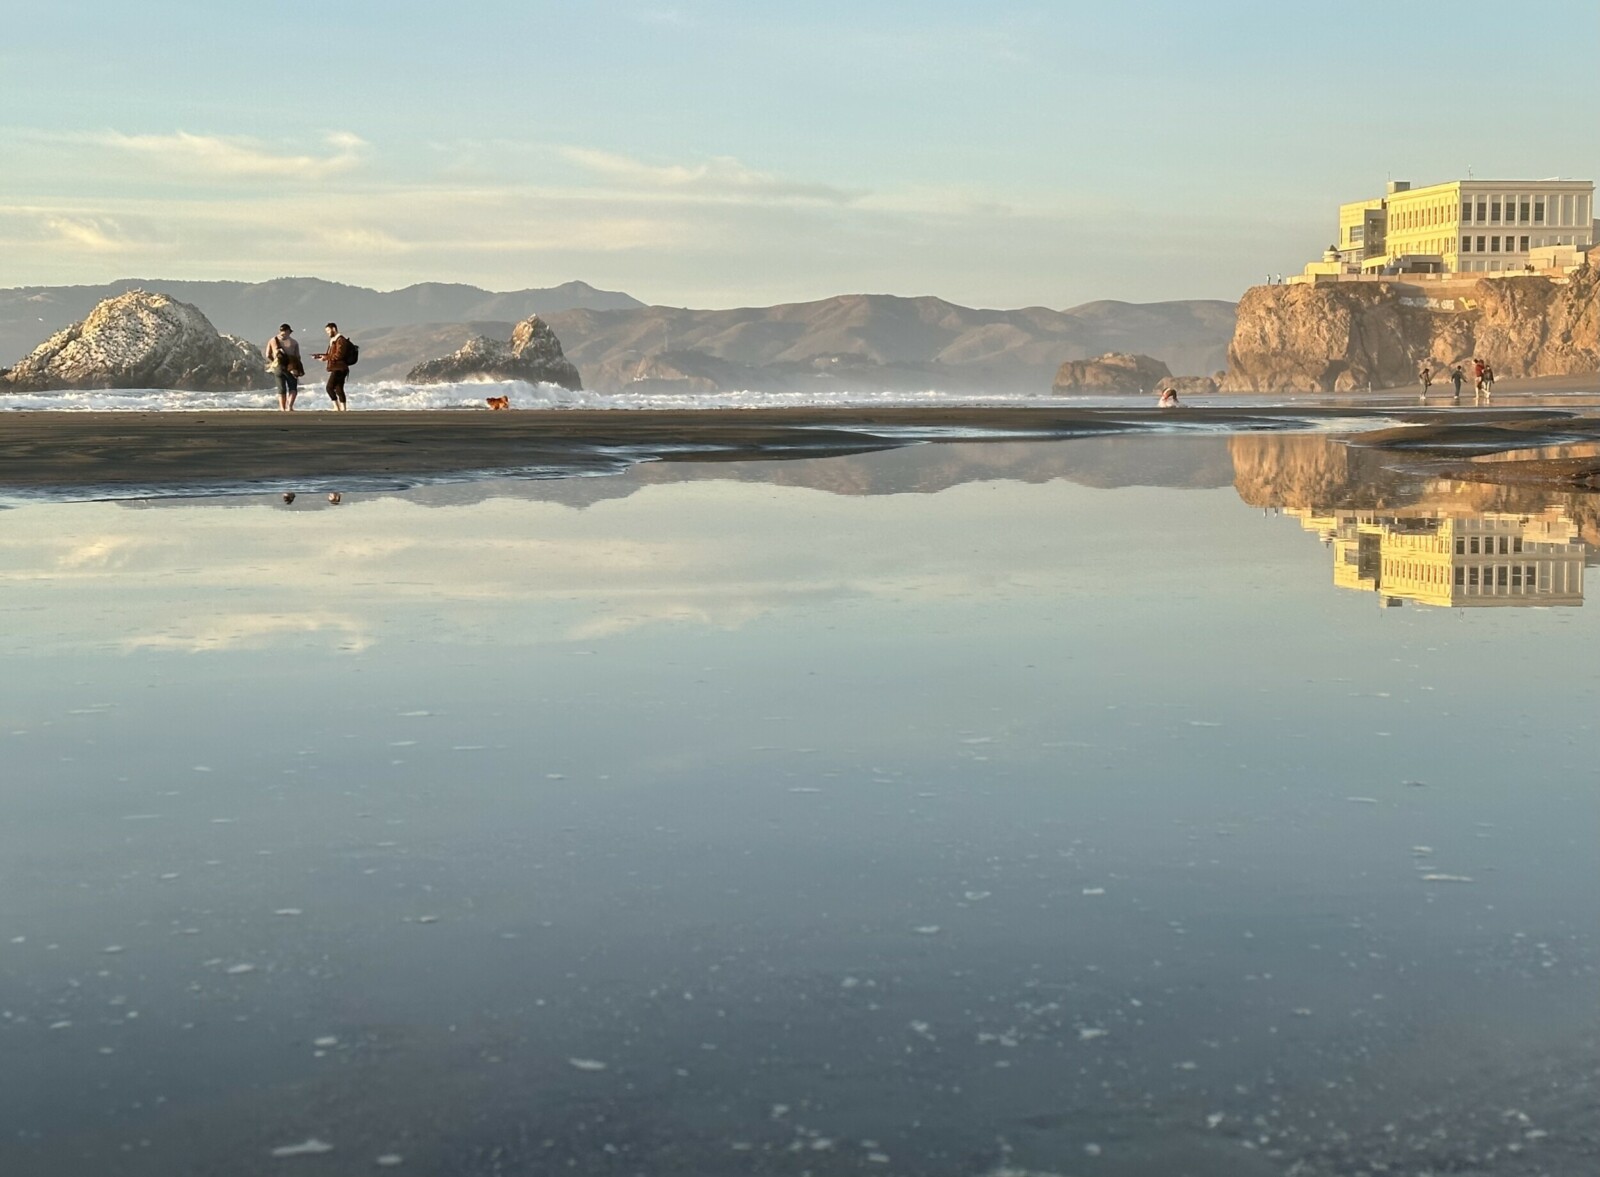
1469 171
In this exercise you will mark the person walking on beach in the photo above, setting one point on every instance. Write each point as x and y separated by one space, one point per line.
337 358
1488 379
1477 376
1456 378
283 357
1426 376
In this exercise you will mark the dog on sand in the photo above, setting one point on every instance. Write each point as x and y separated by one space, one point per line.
498 402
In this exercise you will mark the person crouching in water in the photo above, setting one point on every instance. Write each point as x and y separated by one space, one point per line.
338 362
1169 399
283 357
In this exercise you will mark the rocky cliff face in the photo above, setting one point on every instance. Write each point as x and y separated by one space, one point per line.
1112 372
1341 337
141 340
533 354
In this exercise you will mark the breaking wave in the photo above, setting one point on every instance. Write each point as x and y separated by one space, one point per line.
397 395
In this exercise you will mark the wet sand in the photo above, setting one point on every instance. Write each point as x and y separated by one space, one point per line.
127 450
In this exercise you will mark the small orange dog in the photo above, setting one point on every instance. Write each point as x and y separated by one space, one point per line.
498 402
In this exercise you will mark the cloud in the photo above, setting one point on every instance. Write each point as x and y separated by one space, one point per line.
227 157
93 234
721 177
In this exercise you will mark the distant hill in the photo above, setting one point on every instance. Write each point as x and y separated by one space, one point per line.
858 342
861 340
31 314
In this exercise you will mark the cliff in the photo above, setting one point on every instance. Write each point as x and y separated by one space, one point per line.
1341 337
534 354
141 340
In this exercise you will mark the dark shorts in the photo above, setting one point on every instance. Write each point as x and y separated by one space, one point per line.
287 384
336 384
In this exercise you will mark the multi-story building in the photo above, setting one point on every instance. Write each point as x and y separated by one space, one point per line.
1462 226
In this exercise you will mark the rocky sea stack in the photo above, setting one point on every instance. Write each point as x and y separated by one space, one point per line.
1112 372
534 355
141 339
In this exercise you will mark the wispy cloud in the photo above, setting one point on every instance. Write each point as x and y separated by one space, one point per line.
229 157
721 177
91 234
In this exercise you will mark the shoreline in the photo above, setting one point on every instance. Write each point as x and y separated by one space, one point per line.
120 450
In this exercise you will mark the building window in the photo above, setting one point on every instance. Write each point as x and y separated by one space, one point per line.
1474 546
1483 246
1500 576
1461 546
1483 212
1466 211
1472 576
1494 245
1524 246
1357 234
1461 576
1516 543
1466 245
1494 212
1522 212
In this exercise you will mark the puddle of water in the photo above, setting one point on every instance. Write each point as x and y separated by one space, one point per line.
1026 807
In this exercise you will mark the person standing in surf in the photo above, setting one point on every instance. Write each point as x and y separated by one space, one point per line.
337 359
283 357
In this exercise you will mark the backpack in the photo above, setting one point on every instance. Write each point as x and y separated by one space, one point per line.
352 353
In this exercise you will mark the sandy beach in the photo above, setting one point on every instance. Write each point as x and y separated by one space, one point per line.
112 449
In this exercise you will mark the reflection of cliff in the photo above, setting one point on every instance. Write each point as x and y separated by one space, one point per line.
1302 470
1198 462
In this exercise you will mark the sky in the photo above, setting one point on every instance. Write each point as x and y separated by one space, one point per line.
712 153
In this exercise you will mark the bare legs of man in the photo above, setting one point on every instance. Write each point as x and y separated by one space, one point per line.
336 391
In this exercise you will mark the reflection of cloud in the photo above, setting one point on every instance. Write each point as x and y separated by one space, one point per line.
99 553
253 630
715 555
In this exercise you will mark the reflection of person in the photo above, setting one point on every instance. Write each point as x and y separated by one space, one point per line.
1426 376
1477 375
337 358
1456 377
1169 399
283 355
1488 378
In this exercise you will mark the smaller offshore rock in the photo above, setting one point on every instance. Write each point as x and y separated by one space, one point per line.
141 339
533 354
1112 372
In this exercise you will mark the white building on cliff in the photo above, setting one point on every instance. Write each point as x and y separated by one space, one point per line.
1463 226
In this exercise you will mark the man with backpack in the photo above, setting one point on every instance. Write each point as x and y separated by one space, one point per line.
340 355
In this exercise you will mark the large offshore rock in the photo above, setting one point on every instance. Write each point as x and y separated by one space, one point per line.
141 339
534 355
1112 372
1341 337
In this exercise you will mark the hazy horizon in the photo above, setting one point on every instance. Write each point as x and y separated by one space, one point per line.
710 155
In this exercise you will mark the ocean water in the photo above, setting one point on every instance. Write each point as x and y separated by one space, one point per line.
1099 806
471 395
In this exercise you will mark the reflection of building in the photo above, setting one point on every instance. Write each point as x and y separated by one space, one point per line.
1493 559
